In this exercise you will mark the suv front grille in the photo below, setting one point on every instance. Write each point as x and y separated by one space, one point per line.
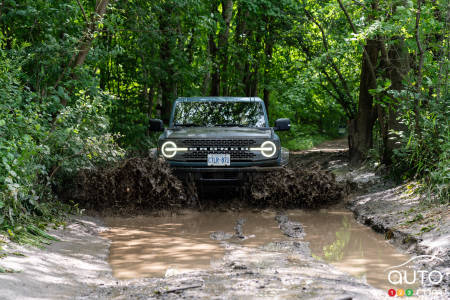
238 149
219 143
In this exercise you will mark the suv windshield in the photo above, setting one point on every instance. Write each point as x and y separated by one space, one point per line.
203 113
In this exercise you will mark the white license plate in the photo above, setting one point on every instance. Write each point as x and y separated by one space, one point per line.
218 159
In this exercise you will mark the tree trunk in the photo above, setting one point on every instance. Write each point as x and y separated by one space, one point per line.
215 78
167 82
268 49
397 66
85 43
254 82
360 138
213 49
247 80
420 55
239 35
206 82
227 13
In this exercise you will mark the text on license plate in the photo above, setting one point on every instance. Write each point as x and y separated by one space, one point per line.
218 159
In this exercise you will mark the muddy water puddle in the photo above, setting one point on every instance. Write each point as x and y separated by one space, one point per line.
336 237
155 246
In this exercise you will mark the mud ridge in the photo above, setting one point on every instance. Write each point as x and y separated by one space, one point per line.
391 210
289 228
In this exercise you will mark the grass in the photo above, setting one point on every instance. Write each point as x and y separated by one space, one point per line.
304 137
30 235
31 228
303 140
417 218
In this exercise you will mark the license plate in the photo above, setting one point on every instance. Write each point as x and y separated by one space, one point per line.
218 159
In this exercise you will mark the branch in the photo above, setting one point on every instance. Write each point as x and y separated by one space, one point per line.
82 10
338 100
366 55
61 162
182 288
85 46
341 100
325 44
85 41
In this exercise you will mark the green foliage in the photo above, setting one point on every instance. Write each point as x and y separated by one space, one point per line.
303 57
417 218
426 153
313 119
81 136
303 137
40 142
411 86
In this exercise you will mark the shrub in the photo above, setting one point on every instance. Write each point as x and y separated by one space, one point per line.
426 154
41 141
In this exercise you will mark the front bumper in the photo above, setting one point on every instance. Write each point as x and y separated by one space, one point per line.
238 171
221 174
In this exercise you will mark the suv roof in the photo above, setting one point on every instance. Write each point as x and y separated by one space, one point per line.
219 99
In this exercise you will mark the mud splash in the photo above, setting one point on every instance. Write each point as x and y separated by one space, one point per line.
135 184
295 187
138 184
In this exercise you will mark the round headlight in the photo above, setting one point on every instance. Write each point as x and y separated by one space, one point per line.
268 149
169 149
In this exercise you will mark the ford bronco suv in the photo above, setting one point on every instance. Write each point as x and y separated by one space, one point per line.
220 138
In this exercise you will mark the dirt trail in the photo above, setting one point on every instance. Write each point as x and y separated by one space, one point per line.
61 270
77 267
336 145
154 246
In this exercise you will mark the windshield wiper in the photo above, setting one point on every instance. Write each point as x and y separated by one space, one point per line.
187 125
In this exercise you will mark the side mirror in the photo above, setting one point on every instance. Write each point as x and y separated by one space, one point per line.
282 125
156 125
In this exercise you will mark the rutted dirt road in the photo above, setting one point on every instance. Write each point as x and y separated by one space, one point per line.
248 262
78 268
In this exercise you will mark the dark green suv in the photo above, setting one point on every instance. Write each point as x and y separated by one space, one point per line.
220 138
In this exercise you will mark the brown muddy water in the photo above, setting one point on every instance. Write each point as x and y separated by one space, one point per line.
155 246
337 238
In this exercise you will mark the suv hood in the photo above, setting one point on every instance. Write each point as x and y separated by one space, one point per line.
218 133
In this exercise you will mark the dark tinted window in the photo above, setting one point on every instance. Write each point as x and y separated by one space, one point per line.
202 113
